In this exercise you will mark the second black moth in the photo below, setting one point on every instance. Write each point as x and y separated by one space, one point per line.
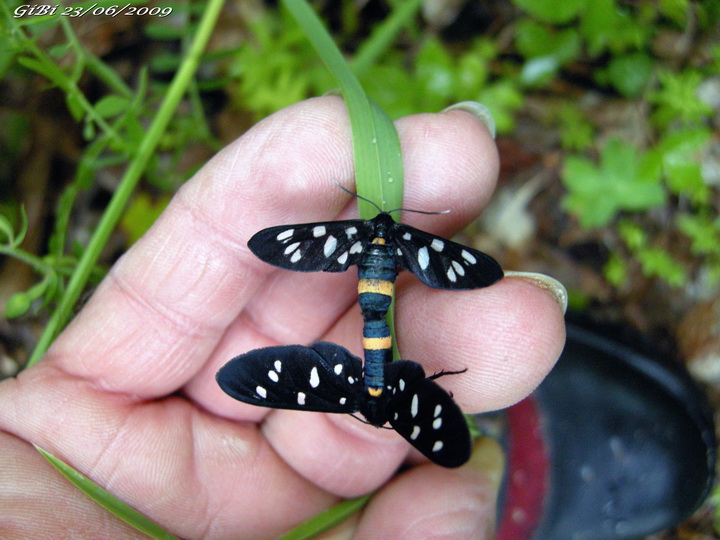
328 378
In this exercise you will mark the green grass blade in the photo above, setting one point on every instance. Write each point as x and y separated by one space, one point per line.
376 147
327 520
383 35
378 177
106 500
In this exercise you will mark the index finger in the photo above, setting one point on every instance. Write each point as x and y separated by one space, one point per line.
166 303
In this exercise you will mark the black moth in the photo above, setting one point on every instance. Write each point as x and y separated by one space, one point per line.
328 378
333 246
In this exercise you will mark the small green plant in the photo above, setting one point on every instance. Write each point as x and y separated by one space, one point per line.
621 181
276 67
114 126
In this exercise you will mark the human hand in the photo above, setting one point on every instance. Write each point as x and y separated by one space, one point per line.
127 393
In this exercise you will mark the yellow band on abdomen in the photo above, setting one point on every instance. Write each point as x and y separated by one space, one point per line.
379 286
376 343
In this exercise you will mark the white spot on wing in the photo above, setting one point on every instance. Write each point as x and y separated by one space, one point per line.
356 247
423 258
319 231
407 236
292 247
314 378
414 406
273 376
399 252
338 369
278 366
395 416
260 391
415 433
401 384
330 245
301 398
343 258
437 446
437 423
343 401
296 256
451 275
437 411
285 235
437 244
350 231
351 380
458 268
468 256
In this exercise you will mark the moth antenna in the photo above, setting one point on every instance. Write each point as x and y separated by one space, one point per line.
420 211
346 190
443 373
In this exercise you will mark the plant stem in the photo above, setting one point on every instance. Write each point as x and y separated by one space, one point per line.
119 200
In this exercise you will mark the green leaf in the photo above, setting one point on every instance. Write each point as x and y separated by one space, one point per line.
630 73
435 70
140 215
576 131
657 262
677 10
604 25
502 99
597 193
677 99
47 69
107 500
703 231
6 229
552 11
17 305
13 239
546 50
111 105
615 271
633 235
535 40
677 156
685 177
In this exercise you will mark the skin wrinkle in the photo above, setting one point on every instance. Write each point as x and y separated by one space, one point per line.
97 469
197 473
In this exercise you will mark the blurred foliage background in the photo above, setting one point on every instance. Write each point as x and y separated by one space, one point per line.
606 113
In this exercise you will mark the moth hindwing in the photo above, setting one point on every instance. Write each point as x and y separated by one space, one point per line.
427 416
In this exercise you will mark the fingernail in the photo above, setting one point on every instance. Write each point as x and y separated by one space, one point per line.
551 285
479 110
